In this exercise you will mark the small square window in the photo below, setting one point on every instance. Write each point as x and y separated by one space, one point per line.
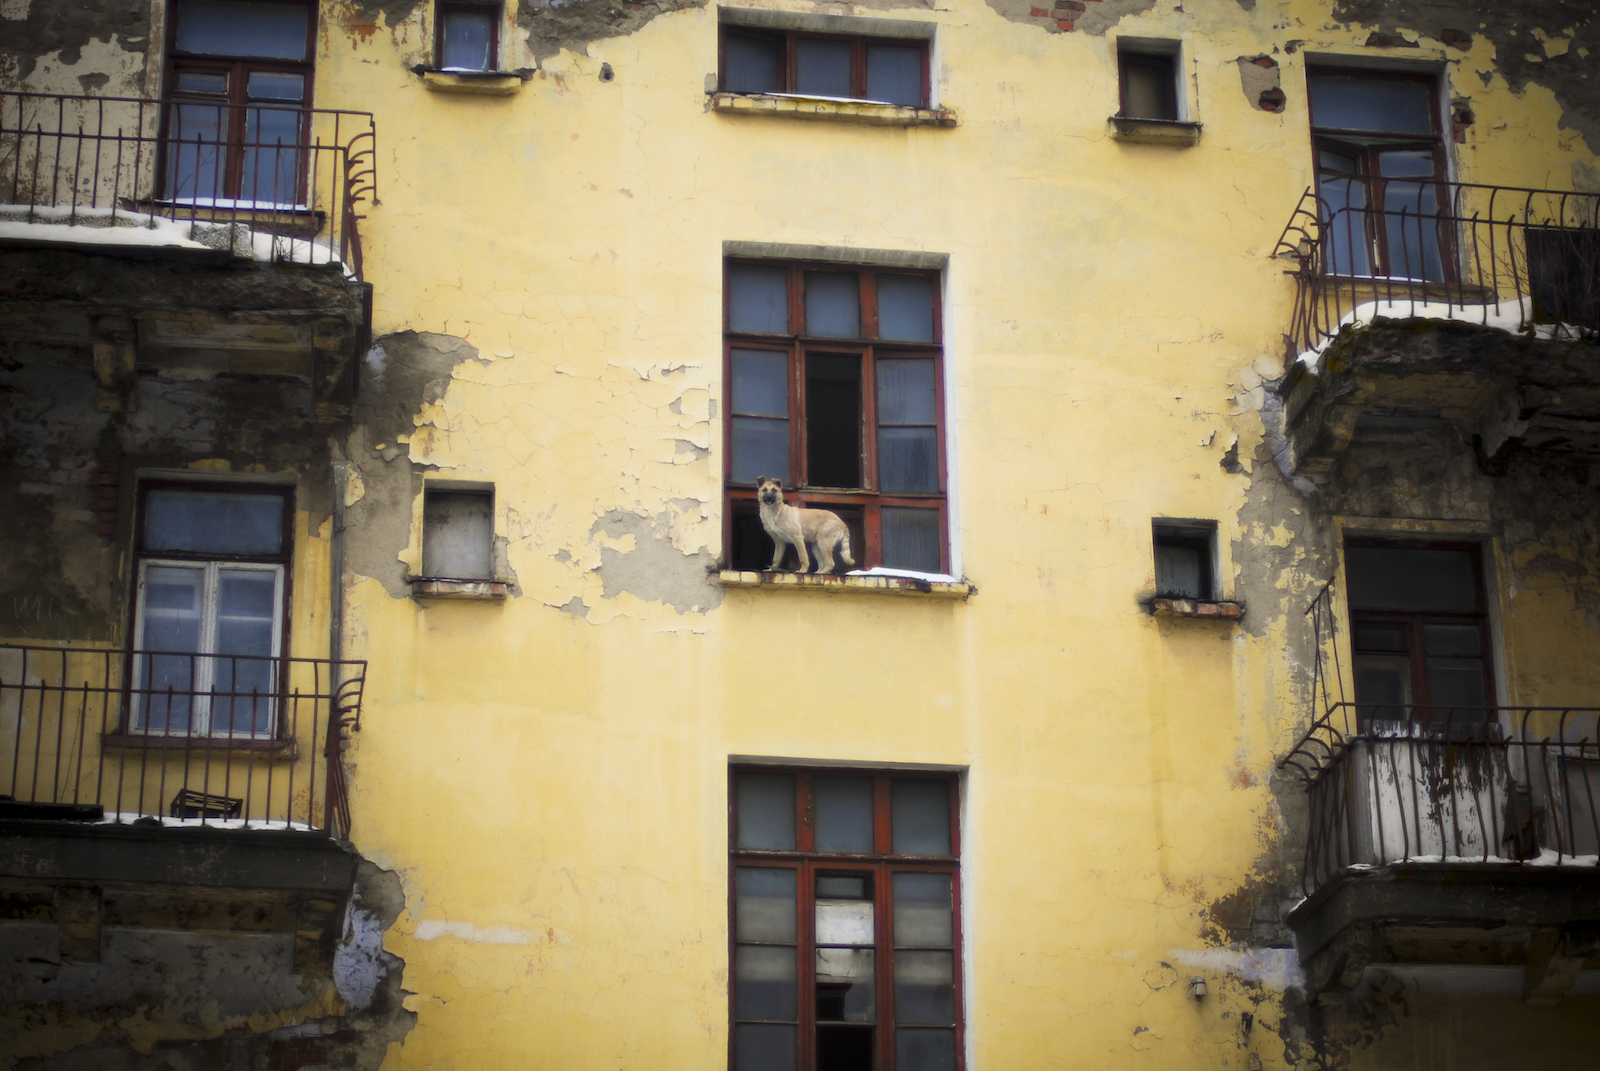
458 534
468 37
1148 83
1186 554
886 70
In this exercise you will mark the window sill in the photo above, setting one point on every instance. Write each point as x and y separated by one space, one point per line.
1220 611
481 83
839 111
852 585
276 748
1170 132
480 590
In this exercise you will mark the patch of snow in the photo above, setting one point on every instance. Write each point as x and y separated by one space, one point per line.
161 233
1276 968
906 574
128 818
1546 857
1504 315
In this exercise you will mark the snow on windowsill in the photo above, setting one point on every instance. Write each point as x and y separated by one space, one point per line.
1546 857
133 818
877 581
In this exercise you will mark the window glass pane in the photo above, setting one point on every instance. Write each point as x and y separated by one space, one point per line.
1410 213
208 522
765 815
922 911
758 299
754 65
908 459
247 602
894 75
843 813
920 813
765 904
1457 682
1147 87
171 613
763 1047
271 160
761 383
833 304
846 992
760 448
466 39
1383 687
1381 639
911 539
905 308
1178 570
833 420
276 85
1402 578
458 535
1388 104
1405 163
764 981
924 987
202 82
239 28
906 391
844 1048
1344 220
925 1050
1462 640
822 68
194 166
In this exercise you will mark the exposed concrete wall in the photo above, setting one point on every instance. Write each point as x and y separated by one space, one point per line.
101 47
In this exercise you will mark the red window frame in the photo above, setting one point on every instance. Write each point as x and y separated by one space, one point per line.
787 39
867 540
882 864
443 9
1366 146
237 70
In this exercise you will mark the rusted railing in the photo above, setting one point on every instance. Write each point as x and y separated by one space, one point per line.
272 182
231 740
1506 256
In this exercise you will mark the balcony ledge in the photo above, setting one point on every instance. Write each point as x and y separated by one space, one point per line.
912 586
793 106
477 83
1173 133
442 588
1219 610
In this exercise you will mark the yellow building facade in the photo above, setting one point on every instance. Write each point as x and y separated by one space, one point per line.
1152 460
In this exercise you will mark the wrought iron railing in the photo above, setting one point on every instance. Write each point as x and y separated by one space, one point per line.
86 734
273 182
1510 257
1399 782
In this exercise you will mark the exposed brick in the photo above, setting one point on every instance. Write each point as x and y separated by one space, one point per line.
1273 100
1264 61
1040 13
1388 40
1064 25
1456 39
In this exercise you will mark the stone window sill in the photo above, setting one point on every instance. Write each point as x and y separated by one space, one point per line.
839 111
480 83
275 748
1168 132
914 587
479 590
1218 611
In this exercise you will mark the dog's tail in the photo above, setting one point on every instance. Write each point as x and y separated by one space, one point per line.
844 550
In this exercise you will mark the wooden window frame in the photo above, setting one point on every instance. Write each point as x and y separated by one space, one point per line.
1366 145
445 7
795 344
1135 57
787 40
283 560
882 863
237 70
1414 621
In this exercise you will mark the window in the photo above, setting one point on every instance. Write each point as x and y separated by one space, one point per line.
1148 81
846 921
240 84
834 377
467 37
888 70
1421 632
458 534
1380 161
209 617
1186 554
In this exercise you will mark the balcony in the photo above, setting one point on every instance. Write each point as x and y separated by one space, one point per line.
218 809
1469 304
186 178
1449 838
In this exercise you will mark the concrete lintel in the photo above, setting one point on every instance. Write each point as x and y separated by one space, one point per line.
839 254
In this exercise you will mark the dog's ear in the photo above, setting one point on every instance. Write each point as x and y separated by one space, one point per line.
760 480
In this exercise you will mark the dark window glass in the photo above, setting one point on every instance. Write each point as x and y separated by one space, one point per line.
466 40
920 816
758 299
908 446
240 28
1148 86
753 65
764 1047
905 308
911 539
833 304
766 811
1395 578
1346 102
822 67
765 907
894 75
843 814
760 406
205 522
833 420
924 1050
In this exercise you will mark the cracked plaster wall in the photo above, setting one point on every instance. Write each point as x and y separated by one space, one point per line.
101 47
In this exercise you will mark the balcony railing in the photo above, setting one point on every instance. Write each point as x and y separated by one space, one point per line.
1508 257
81 739
272 182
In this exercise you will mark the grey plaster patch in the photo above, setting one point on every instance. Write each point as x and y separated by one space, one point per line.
563 555
576 607
1095 20
55 26
654 570
1262 83
684 446
394 12
553 25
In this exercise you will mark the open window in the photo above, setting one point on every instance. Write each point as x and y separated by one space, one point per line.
1420 632
239 79
210 619
834 376
467 36
1147 80
458 533
1186 559
886 70
846 940
1380 158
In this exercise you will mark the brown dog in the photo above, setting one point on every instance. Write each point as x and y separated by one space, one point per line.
789 525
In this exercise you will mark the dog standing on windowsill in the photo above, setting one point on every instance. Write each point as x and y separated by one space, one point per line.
790 525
